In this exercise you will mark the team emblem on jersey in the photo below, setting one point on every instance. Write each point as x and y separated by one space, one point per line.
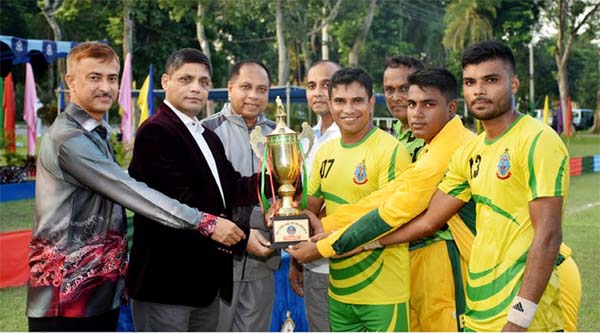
504 166
360 174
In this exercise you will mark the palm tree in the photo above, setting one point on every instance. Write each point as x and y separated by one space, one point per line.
468 21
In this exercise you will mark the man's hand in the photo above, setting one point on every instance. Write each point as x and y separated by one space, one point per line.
268 217
227 232
314 221
258 245
349 253
296 277
304 252
510 327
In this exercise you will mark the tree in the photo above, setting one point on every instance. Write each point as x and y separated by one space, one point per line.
570 18
179 8
283 67
468 21
49 10
362 35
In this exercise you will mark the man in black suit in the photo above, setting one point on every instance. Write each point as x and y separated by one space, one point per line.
175 276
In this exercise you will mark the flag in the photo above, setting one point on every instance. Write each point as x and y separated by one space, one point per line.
29 109
546 110
8 103
125 100
559 119
145 98
568 118
2 114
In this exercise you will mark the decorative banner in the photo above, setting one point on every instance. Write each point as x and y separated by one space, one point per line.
49 51
145 98
29 109
19 48
8 103
125 100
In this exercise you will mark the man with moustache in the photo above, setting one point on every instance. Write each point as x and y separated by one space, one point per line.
433 306
78 254
517 172
395 90
431 115
311 281
254 281
174 154
345 170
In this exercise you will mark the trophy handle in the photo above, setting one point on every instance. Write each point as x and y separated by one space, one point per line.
256 137
307 133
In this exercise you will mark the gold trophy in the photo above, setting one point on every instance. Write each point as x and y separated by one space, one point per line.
290 226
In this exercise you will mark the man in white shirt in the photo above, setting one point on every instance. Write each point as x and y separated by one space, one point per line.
312 280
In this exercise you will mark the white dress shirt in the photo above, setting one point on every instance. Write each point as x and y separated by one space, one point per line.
196 130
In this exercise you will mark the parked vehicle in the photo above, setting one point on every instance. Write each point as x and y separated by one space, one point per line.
583 118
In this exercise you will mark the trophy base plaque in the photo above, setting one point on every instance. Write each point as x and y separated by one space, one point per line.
289 230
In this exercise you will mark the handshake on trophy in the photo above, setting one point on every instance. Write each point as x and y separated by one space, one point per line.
281 153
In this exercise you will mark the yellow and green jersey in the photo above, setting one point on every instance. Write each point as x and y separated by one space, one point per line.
408 140
343 174
397 203
502 176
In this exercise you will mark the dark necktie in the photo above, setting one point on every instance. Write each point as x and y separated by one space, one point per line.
101 130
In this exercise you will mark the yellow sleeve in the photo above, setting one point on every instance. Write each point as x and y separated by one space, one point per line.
455 181
346 214
548 166
404 199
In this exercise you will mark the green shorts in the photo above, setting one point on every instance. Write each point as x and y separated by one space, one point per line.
345 317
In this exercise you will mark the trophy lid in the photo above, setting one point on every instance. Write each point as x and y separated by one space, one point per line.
280 116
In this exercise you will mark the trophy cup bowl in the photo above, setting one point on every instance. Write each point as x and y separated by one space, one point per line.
286 164
290 225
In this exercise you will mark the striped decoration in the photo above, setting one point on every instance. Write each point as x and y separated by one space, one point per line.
583 165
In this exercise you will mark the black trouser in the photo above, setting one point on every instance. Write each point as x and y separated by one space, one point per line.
106 322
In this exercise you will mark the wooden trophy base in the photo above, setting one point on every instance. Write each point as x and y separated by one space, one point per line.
289 230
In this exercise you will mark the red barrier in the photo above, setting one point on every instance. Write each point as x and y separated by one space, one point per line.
14 252
576 166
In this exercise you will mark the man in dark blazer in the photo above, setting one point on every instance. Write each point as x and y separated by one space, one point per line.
175 277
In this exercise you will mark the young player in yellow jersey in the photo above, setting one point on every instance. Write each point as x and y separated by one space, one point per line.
436 301
437 125
517 172
344 170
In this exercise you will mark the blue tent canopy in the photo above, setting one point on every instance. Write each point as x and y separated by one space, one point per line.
18 50
297 94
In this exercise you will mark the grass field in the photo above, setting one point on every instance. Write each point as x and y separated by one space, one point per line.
581 232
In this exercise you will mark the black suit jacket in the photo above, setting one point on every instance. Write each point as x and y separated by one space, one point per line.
182 267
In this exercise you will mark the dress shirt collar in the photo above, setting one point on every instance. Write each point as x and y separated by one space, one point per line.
332 130
84 119
188 121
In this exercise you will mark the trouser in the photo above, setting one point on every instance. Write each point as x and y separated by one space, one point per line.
156 317
346 317
250 308
315 299
106 322
436 288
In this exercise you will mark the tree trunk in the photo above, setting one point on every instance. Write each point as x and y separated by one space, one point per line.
49 11
283 64
563 90
362 36
325 40
307 58
596 128
200 30
127 29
